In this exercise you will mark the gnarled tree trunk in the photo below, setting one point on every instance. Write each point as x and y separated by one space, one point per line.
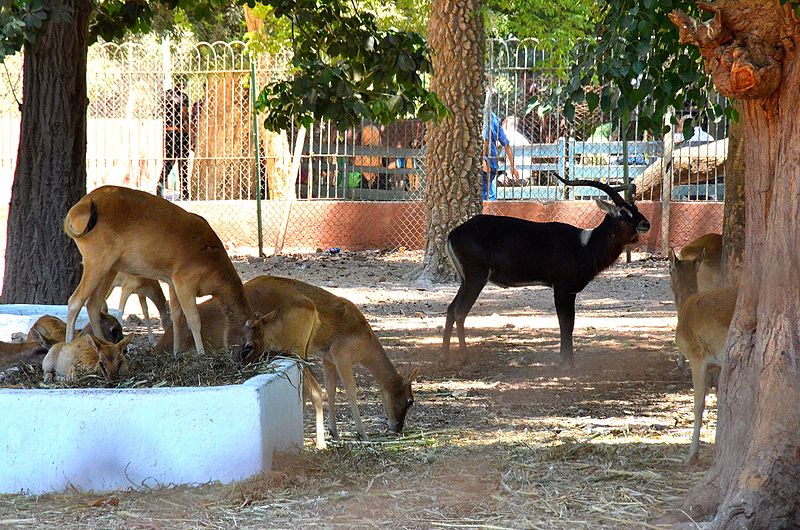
734 219
42 264
751 49
452 148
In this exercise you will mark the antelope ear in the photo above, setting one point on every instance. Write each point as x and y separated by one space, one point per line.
34 333
251 322
269 317
93 341
125 341
700 257
412 373
607 207
672 258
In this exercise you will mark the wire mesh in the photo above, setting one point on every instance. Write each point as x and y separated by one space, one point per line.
176 118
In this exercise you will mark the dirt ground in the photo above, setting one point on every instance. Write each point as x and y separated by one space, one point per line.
509 441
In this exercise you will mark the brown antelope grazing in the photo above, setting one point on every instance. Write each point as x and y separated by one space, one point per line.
144 288
703 322
119 229
511 252
86 354
343 338
709 271
286 326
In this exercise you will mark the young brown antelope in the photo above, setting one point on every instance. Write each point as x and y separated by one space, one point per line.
86 354
709 271
119 229
703 322
32 351
55 330
144 288
286 326
342 339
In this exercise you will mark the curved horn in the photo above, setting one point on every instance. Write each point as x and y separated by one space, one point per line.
611 191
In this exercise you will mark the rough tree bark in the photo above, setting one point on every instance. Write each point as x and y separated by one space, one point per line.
452 152
223 154
733 220
42 264
750 48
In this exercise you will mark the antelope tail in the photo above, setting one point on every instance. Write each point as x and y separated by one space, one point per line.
78 217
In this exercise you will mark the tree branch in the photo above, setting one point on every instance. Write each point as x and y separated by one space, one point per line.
743 65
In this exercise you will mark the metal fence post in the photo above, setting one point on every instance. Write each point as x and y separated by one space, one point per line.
666 183
626 178
257 150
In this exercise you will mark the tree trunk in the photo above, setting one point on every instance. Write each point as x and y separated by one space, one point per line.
223 158
453 146
751 50
733 220
275 148
42 264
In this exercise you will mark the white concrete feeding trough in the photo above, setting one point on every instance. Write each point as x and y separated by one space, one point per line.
109 439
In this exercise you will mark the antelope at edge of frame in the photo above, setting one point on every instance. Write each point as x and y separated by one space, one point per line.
703 322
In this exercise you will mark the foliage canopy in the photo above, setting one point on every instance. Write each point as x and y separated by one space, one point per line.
345 67
634 57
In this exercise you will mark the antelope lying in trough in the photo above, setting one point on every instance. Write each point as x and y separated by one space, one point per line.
32 351
286 326
86 354
703 322
53 329
119 229
709 271
45 332
342 339
511 252
144 288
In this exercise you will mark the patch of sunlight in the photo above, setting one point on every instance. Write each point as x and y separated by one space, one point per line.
621 322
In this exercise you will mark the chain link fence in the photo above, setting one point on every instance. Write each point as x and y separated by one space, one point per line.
177 119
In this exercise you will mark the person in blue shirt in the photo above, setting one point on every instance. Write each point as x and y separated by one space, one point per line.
491 137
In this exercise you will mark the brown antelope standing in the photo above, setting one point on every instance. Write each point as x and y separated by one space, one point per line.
144 288
343 338
119 229
703 322
286 326
511 252
86 354
709 271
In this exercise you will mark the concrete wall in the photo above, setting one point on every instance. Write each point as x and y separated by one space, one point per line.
109 439
379 225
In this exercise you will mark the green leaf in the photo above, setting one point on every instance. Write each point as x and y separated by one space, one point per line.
593 100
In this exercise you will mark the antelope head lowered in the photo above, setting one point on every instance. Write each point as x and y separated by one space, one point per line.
511 252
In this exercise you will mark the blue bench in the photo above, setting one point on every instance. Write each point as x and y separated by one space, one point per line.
640 156
699 192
